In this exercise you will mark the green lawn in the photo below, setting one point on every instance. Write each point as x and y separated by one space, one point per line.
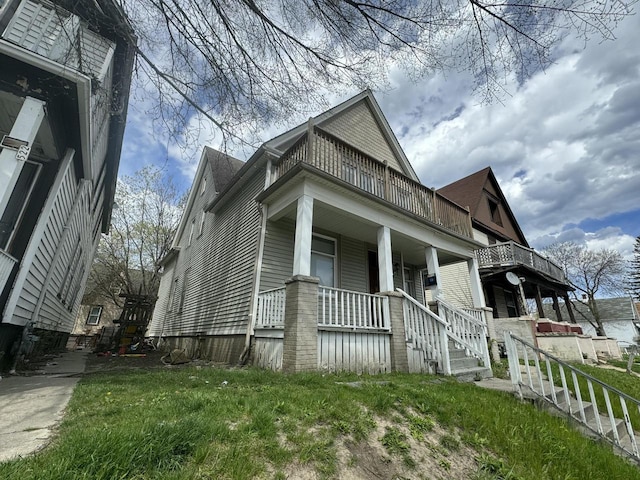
189 424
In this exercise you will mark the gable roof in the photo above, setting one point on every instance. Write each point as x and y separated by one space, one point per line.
610 309
223 169
284 140
469 191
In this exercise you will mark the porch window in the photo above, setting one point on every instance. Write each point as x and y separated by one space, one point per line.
409 284
94 315
323 259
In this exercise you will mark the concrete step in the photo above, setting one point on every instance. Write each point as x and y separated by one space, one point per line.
457 353
463 363
472 374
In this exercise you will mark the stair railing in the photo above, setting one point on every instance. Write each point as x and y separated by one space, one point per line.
466 331
614 424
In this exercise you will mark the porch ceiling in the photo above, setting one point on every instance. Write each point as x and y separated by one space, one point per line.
44 147
335 220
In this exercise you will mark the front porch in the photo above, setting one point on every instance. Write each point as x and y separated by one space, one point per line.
305 326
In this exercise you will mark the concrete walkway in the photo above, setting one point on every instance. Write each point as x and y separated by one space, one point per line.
32 406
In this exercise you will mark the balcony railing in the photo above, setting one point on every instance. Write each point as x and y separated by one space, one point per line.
54 33
513 254
333 156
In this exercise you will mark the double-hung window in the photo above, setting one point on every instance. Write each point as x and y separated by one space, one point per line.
94 315
323 259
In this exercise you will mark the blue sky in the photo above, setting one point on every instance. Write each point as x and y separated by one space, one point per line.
564 145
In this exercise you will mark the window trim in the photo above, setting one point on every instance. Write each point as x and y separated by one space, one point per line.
334 257
91 314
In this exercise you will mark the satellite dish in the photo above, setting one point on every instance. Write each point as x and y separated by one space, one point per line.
512 278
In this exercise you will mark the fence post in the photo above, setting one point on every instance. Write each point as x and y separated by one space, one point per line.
514 364
300 343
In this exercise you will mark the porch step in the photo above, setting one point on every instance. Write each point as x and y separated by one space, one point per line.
460 361
471 374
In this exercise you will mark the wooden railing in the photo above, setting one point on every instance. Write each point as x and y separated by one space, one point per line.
467 331
426 337
352 310
333 156
511 253
6 266
270 313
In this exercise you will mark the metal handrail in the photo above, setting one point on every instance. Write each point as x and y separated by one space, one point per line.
629 444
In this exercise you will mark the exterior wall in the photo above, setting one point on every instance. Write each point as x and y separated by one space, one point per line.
54 269
277 260
160 313
587 348
606 347
224 349
522 327
212 282
565 347
358 127
456 285
624 331
352 259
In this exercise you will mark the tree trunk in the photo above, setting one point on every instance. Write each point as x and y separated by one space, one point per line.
593 306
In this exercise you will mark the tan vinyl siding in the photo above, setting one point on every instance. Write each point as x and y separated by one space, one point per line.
219 265
353 265
277 260
358 127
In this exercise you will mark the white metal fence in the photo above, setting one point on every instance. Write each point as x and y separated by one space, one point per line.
352 310
600 407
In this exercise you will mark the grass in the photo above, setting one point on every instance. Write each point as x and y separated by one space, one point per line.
187 424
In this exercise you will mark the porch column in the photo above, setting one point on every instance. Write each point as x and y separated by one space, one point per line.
476 285
556 306
302 246
300 341
433 268
385 262
539 302
567 302
24 128
398 343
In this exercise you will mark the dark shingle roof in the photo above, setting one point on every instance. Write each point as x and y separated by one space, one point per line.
223 167
610 309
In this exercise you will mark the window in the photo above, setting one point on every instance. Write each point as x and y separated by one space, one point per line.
494 210
172 293
193 224
204 186
183 293
323 259
94 315
204 214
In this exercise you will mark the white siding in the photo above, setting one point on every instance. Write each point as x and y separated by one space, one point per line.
162 304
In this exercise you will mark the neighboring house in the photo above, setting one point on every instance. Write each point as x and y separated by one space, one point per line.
64 86
619 318
293 258
509 268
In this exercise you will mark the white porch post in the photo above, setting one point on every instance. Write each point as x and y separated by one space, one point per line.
433 268
24 128
302 247
385 262
476 285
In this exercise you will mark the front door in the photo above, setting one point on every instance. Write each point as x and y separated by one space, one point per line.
374 272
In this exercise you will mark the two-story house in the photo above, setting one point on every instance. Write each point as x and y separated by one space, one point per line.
314 254
65 70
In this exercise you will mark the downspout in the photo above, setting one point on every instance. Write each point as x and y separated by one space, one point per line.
257 271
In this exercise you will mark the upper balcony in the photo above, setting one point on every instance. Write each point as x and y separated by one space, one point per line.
328 154
58 35
514 254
